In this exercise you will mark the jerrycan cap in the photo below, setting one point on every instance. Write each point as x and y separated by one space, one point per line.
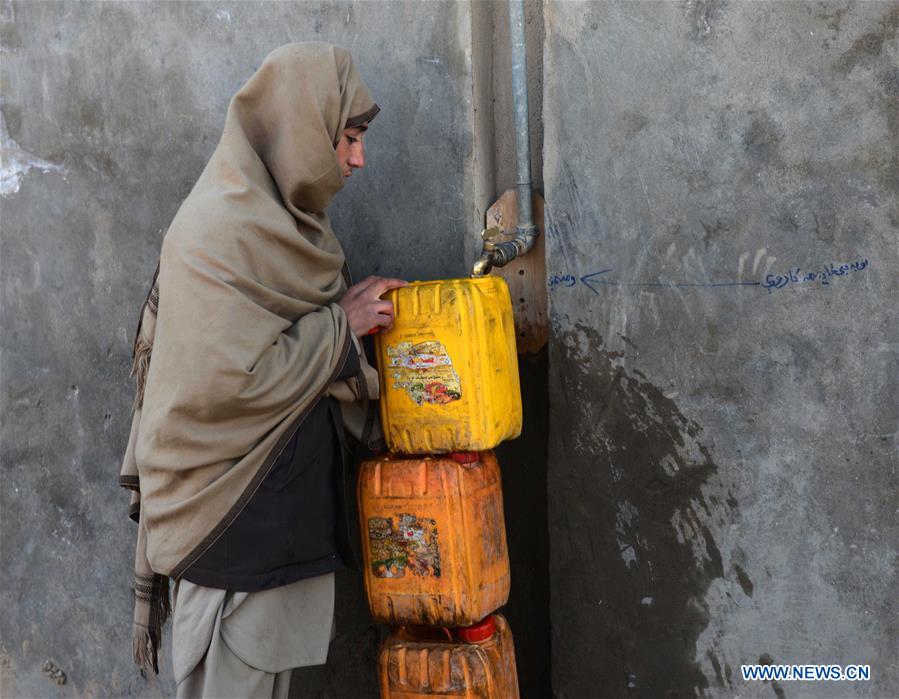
480 632
465 457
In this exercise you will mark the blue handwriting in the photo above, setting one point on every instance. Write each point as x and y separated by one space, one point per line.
562 280
772 282
796 275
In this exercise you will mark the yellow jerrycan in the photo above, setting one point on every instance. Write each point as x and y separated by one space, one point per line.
474 663
449 368
433 538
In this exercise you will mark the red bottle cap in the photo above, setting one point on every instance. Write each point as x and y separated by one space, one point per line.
465 457
478 633
374 330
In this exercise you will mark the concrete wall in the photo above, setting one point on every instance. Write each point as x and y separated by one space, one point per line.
110 111
722 480
722 470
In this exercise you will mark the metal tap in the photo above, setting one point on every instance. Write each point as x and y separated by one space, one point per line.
484 263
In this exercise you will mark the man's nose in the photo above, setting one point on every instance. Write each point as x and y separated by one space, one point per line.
357 155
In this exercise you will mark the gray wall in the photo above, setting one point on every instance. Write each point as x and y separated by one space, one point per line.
722 480
722 471
112 110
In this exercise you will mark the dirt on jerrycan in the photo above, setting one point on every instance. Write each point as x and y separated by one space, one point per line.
449 368
433 538
473 663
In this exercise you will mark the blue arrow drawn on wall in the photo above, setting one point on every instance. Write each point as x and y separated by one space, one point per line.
590 279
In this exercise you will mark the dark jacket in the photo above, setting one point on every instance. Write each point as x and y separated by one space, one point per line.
299 523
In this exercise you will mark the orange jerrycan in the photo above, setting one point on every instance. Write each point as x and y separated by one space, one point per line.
433 538
480 664
449 368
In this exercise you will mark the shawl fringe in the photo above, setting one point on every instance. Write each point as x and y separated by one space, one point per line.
146 639
143 340
152 606
140 365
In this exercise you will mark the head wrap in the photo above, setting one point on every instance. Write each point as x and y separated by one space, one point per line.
242 321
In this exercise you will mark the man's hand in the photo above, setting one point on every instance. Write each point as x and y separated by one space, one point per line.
364 307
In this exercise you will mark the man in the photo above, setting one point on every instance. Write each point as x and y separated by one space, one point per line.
247 358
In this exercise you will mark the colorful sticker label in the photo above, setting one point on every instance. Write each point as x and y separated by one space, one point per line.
411 544
425 371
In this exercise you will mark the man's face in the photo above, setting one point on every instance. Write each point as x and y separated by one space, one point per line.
351 150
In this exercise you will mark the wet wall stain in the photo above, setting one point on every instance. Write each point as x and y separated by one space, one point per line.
889 80
833 20
632 123
869 45
762 136
716 666
766 659
634 468
744 580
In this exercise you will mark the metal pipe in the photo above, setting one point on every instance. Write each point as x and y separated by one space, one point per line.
499 254
520 102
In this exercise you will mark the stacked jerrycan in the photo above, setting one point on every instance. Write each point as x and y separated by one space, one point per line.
435 561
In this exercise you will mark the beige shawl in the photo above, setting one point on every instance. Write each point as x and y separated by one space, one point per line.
242 320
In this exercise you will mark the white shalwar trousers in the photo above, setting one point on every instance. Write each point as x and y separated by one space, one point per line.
235 645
